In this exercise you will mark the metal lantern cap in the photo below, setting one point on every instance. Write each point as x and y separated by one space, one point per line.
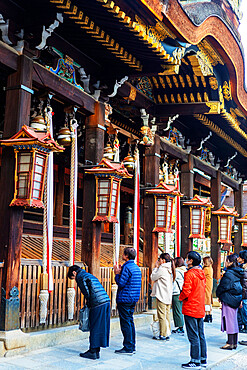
106 167
27 137
163 189
243 219
226 211
198 201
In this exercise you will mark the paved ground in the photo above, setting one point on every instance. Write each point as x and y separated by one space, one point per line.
150 353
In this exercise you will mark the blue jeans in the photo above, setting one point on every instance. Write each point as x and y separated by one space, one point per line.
127 325
244 312
195 333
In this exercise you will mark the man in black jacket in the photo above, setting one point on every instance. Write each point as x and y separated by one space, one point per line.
99 317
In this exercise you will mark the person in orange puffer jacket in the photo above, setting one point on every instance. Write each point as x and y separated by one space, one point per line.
193 298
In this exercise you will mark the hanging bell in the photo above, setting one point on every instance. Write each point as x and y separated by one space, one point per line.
161 175
38 123
108 152
129 162
64 136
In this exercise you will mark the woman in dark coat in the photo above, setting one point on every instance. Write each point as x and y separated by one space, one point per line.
99 316
229 293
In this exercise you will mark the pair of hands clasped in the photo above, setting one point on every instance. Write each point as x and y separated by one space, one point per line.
117 269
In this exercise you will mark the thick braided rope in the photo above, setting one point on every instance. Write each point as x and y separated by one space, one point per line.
71 202
45 229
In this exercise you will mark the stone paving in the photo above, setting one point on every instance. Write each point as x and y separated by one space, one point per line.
150 353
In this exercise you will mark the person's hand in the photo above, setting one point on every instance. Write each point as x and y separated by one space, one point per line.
116 269
157 264
241 305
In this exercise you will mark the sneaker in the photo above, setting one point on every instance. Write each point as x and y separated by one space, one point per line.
123 351
191 365
161 337
134 351
180 331
175 331
156 338
204 363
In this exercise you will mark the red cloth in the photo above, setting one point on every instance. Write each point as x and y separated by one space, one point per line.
193 293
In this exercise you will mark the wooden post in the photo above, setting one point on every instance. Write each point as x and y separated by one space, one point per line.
238 202
17 113
215 246
91 232
187 184
151 178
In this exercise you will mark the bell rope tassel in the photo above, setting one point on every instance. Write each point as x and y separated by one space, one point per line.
43 300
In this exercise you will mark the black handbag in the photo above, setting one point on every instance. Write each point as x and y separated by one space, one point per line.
84 324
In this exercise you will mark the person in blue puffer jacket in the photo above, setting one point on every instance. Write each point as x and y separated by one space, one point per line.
128 279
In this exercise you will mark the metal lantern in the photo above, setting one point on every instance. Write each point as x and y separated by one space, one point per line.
108 179
108 152
38 123
225 217
164 196
243 220
31 153
198 208
64 136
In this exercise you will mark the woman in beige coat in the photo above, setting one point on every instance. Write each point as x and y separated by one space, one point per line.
208 271
163 276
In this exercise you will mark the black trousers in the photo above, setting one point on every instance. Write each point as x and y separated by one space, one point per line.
127 325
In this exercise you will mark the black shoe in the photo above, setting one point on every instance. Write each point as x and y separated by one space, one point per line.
210 318
207 318
243 342
191 365
204 363
123 351
90 355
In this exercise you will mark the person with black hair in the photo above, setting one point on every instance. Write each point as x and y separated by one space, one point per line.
99 315
193 298
128 279
178 283
242 261
229 292
163 276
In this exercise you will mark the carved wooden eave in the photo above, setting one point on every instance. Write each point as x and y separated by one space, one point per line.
220 37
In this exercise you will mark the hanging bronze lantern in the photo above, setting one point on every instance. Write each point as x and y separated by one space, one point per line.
225 218
64 136
198 207
108 152
31 153
108 177
38 123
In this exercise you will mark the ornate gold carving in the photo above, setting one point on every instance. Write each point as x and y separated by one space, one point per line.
189 80
192 99
159 99
227 91
205 65
206 98
185 98
166 99
162 82
213 83
210 52
199 98
203 81
179 98
196 80
173 99
175 81
132 94
205 121
233 121
221 97
172 69
155 82
214 107
181 81
168 80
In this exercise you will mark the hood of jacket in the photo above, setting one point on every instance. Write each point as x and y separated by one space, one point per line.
238 272
197 271
168 266
182 268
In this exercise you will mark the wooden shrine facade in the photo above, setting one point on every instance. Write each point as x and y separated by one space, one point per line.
135 76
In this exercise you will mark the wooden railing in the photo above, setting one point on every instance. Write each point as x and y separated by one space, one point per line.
1 275
57 303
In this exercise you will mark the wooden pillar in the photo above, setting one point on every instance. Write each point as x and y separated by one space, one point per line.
238 202
187 184
58 220
215 246
151 178
91 232
17 113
